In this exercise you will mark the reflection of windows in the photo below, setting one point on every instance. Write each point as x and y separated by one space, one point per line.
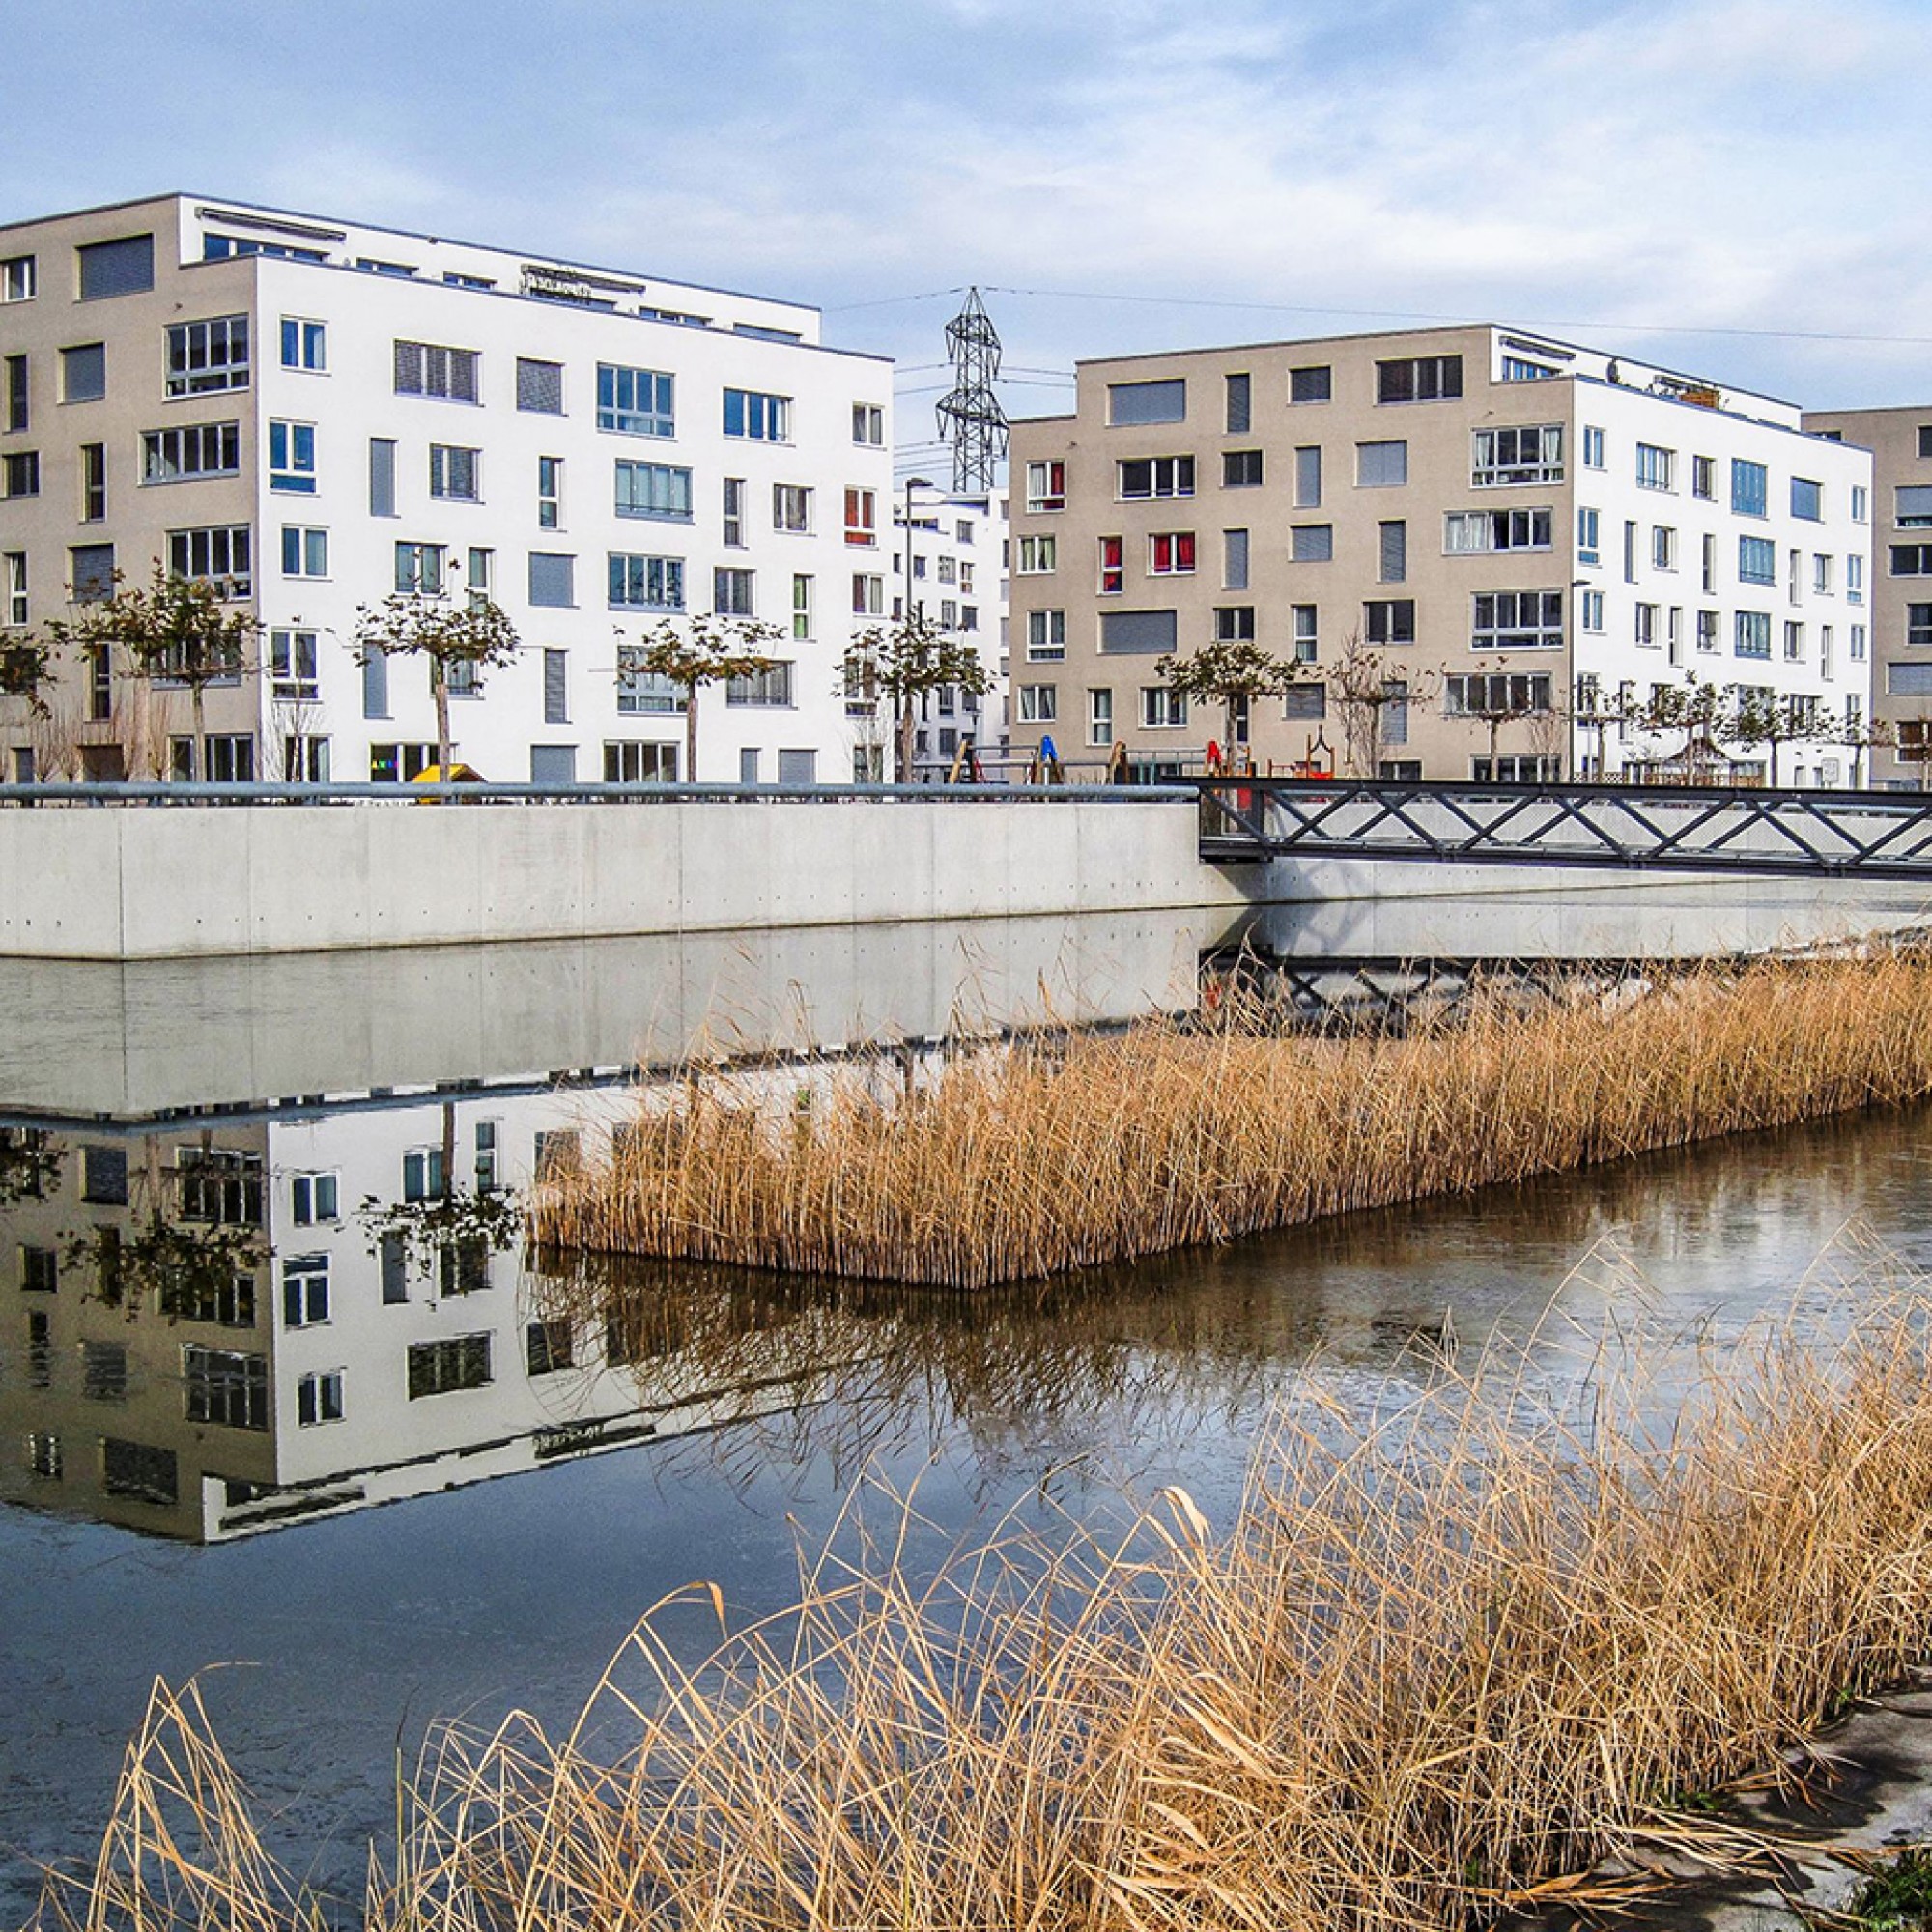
436 1367
103 1174
422 1174
40 1270
319 1398
222 1186
139 1471
228 1304
548 1346
224 1386
305 1290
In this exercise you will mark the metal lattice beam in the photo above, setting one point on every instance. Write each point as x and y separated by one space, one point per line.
1877 834
969 417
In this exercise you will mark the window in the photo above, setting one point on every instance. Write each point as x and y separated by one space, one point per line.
654 490
1517 620
1391 552
1855 579
1305 702
1162 708
641 693
292 665
319 1398
1821 574
1310 385
440 1368
1100 717
1757 560
1038 703
1046 487
21 473
1389 620
1233 561
647 582
17 399
1171 554
190 452
19 279
1240 468
84 373
1037 557
1419 379
626 761
1141 632
552 580
222 1186
1160 402
731 593
549 493
134 1469
1047 635
93 482
869 595
801 607
1479 694
1752 638
1234 623
1532 454
1589 535
1861 503
1593 448
1910 680
292 457
428 369
1468 531
43 1449
305 552
1144 476
90 572
1807 499
453 472
1707 631
1516 769
861 517
1663 548
869 425
1749 488
1655 468
791 508
222 554
1709 546
225 1387
1858 645
419 569
312 1199
103 1370
1590 609
1913 507
1380 465
539 387
39 1271
13 568
1644 630
1311 543
759 418
304 344
120 267
1793 643
1302 620
305 1290
765 689
1113 571
208 356
1239 401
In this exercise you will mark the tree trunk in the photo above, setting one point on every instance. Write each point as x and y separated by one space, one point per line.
902 744
691 734
438 683
1774 764
197 750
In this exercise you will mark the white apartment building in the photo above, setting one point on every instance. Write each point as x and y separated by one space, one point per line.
1525 536
949 564
317 413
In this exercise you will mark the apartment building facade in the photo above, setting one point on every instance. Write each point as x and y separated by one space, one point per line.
1900 442
317 413
1513 540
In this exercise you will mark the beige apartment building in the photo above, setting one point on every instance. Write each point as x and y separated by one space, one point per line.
1900 442
1516 539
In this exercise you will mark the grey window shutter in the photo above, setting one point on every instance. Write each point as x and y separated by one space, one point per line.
1235 560
1142 631
550 578
557 687
1239 398
123 267
553 764
92 572
84 373
540 387
1307 700
1393 551
1909 680
798 768
1395 714
463 375
408 368
1163 402
1307 478
381 478
376 685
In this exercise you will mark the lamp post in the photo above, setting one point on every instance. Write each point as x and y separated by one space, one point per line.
912 483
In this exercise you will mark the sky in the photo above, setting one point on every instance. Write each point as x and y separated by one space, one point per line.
1725 186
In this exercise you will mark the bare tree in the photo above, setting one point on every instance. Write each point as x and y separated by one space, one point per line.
1364 685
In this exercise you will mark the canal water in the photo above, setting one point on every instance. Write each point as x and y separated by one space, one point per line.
352 1486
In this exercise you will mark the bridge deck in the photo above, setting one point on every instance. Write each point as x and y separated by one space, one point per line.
1875 835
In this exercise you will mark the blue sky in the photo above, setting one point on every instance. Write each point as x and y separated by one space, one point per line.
1730 188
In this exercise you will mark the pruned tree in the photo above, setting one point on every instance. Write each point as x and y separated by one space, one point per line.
1861 735
1502 696
177 630
1364 685
462 637
1760 716
901 662
1231 673
1693 707
706 647
27 665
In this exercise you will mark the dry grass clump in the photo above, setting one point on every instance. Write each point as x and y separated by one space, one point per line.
1437 1668
1027 1160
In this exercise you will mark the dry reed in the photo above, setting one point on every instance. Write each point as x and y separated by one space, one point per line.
1028 1160
1439 1669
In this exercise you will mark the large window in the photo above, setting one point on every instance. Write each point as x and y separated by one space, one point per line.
758 418
770 687
635 402
732 593
1419 379
1143 477
428 369
206 357
1807 499
791 508
1472 530
223 1386
120 267
84 373
1749 488
1757 560
1517 620
1753 635
654 490
647 582
457 1362
552 580
1389 620
1162 708
1482 694
193 450
224 555
1158 402
1314 383
1528 454
419 569
1655 468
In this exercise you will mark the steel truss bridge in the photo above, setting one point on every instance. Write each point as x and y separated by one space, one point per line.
1858 834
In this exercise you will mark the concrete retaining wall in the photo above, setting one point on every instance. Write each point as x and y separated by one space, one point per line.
180 882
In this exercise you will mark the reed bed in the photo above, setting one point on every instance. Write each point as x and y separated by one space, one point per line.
1026 1160
1440 1667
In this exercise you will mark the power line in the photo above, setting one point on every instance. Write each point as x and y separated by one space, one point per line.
888 301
